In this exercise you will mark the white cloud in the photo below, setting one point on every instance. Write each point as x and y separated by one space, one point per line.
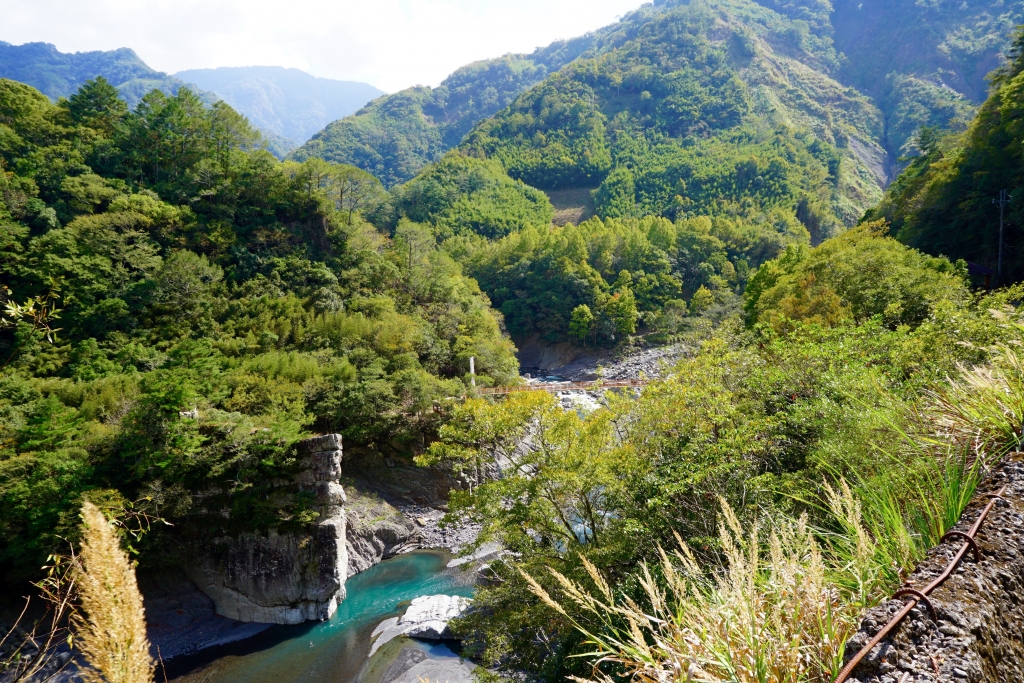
390 43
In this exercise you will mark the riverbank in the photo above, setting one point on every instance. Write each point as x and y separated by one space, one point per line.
181 620
405 660
337 650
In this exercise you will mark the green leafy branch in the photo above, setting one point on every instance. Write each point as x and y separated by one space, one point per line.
39 312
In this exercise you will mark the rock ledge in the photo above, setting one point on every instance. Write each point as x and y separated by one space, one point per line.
426 619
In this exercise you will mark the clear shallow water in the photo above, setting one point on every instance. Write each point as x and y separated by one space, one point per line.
336 650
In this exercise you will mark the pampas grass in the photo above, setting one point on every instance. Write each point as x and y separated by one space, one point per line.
112 632
983 408
771 614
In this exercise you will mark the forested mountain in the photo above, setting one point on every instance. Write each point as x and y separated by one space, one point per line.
288 102
946 201
924 64
738 123
59 74
708 144
682 111
395 136
155 262
916 64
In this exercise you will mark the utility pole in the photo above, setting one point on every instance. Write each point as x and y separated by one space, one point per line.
1004 199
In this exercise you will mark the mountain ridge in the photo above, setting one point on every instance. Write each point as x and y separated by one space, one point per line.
941 88
59 74
398 134
286 101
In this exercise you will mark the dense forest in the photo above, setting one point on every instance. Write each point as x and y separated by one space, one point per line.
849 410
669 124
180 308
155 262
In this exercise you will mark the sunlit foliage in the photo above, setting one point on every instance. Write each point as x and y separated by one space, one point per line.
211 306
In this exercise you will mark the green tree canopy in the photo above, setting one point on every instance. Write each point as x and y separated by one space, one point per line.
857 275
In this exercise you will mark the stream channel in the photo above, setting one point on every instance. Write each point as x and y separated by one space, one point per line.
336 650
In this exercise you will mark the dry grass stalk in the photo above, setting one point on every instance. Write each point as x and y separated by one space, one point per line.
767 617
112 634
32 657
983 408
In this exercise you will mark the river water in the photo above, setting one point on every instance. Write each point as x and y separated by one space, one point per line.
334 651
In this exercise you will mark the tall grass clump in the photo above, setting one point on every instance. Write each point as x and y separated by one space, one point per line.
772 612
111 632
965 426
906 507
922 478
983 409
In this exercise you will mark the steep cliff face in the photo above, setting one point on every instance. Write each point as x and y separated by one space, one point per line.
284 578
376 530
290 577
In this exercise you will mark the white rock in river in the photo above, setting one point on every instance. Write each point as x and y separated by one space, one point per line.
428 617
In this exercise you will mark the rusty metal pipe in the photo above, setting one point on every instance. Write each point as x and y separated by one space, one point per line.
938 581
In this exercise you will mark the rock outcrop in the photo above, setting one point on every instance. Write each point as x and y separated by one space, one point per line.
539 357
284 578
376 530
426 618
395 506
413 665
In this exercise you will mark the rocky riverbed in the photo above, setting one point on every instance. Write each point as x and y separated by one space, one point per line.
577 364
627 364
454 538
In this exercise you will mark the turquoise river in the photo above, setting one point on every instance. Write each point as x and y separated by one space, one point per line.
334 651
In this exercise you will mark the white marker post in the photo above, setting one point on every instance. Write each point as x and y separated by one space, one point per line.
472 370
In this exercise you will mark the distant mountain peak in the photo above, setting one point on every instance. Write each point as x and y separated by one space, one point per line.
284 100
287 104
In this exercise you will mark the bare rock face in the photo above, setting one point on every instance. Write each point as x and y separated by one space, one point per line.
428 617
285 578
376 531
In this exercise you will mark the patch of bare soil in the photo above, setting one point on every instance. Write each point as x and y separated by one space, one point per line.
979 632
571 206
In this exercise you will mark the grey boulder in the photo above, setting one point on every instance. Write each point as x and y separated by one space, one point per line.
428 617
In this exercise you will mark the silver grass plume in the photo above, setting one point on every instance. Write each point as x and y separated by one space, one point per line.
112 633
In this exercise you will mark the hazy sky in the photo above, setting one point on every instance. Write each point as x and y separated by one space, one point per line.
390 43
